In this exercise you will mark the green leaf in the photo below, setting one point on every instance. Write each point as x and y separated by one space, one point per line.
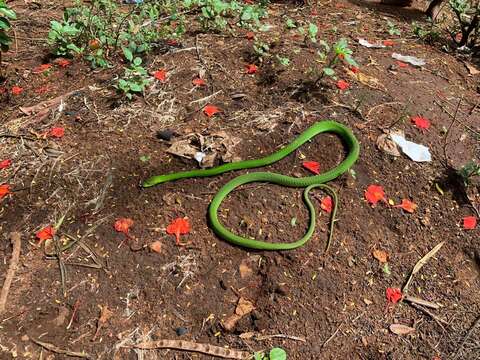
312 32
137 61
278 354
291 24
145 158
127 53
135 87
328 71
258 356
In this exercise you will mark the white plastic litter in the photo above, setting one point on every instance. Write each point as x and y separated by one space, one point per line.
416 152
368 44
199 156
409 59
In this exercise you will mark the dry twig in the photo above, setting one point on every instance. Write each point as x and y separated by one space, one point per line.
193 347
17 242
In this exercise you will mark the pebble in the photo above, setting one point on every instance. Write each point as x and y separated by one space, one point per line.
165 134
181 331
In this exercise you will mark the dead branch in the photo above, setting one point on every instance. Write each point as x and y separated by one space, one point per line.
16 241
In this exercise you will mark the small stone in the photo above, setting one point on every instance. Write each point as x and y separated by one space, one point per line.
181 331
166 134
367 302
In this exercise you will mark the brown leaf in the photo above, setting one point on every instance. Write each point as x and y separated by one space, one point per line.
156 246
244 307
472 69
387 145
400 329
380 255
105 314
245 270
230 322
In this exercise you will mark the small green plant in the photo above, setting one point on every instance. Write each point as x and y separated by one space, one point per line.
392 29
468 171
62 37
6 14
332 55
274 354
290 24
466 30
310 33
135 79
428 33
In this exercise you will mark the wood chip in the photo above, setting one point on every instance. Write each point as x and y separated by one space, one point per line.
400 329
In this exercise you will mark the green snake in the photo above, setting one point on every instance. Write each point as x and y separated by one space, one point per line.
309 183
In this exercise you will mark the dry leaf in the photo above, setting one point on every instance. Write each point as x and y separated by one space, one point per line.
247 335
400 329
244 307
472 69
420 264
380 255
105 314
245 270
182 148
387 145
156 246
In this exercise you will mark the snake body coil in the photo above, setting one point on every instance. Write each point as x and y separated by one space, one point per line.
308 183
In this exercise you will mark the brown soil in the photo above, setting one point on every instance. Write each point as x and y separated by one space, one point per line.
336 301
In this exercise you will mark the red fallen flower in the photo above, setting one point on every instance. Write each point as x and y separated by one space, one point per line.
199 82
374 194
16 90
251 68
393 295
211 110
250 35
62 62
123 225
421 122
407 205
354 69
469 222
160 75
249 2
312 166
326 204
4 190
177 227
57 132
45 234
172 42
388 42
42 68
401 64
342 85
5 164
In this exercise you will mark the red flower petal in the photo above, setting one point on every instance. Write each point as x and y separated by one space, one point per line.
421 122
57 132
123 225
4 190
327 204
401 64
250 35
5 163
393 295
199 82
251 68
45 234
62 62
160 75
407 205
342 85
211 110
374 194
178 227
42 68
16 90
172 42
388 42
469 222
312 166
354 69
